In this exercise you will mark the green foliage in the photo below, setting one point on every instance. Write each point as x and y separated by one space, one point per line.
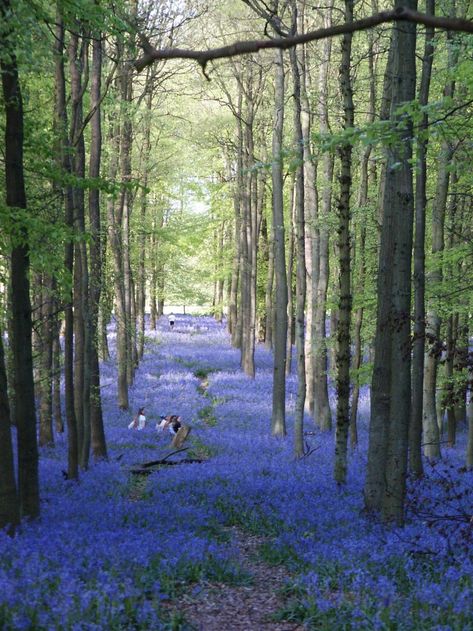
199 450
278 555
207 415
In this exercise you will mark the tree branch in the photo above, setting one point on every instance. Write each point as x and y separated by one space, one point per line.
400 14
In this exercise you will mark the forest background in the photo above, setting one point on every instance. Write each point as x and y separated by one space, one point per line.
318 197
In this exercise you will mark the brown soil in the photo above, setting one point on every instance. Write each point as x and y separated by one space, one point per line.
221 607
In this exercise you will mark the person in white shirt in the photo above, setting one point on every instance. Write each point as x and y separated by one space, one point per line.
172 423
172 319
139 420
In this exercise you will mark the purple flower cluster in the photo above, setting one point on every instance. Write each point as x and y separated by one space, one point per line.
108 550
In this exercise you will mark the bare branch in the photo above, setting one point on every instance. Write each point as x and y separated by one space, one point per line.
399 14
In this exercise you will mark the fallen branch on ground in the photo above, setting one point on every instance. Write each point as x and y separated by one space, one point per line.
150 466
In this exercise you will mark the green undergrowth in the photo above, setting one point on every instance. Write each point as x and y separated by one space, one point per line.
278 555
152 341
252 520
199 450
203 372
188 573
200 371
214 530
344 608
207 415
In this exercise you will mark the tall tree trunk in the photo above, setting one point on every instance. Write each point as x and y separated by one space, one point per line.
9 504
249 234
65 157
153 286
391 391
469 447
57 410
300 251
344 299
115 244
415 429
46 330
322 413
78 59
278 416
430 419
366 176
23 384
269 308
290 281
125 213
235 309
310 222
97 433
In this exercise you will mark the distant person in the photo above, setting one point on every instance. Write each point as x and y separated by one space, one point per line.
171 422
139 420
172 320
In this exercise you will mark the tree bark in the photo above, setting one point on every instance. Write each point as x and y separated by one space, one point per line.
21 349
300 250
278 416
430 419
344 298
78 62
310 222
391 392
65 159
418 351
322 413
115 244
469 447
97 433
45 348
9 504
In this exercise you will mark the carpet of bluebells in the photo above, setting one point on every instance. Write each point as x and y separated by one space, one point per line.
110 550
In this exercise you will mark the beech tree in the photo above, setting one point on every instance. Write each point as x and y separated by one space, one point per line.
21 324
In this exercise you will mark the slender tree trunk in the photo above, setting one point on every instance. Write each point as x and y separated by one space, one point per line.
363 197
278 417
290 281
46 435
20 344
310 220
448 394
9 504
125 213
300 252
57 410
430 420
78 58
418 352
153 305
235 314
269 308
469 448
322 413
345 298
450 391
97 433
63 140
249 237
116 245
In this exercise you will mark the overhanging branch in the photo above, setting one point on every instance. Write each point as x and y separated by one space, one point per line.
399 14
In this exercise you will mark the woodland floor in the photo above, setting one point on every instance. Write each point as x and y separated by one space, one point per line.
220 607
223 607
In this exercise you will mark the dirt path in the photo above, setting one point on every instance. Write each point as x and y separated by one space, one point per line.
220 607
